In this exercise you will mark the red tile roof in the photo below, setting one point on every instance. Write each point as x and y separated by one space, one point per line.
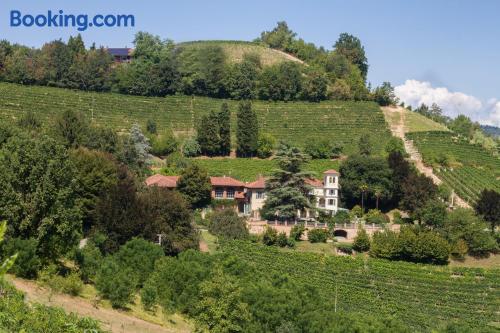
162 181
226 181
314 182
331 171
259 183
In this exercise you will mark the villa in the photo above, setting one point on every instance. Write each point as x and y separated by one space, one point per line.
251 196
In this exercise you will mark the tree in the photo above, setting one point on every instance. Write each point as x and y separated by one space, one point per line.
365 146
463 126
140 143
361 241
165 212
164 144
358 171
395 145
314 86
319 148
400 169
247 131
221 308
195 185
350 47
384 95
265 145
38 194
488 206
281 37
209 135
416 191
241 78
224 118
281 82
116 283
432 214
287 191
191 148
71 128
227 224
89 260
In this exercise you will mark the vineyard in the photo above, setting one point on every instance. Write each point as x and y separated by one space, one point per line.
469 169
294 122
248 169
422 296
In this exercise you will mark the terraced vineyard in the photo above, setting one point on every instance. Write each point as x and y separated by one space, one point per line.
422 296
248 169
471 169
341 122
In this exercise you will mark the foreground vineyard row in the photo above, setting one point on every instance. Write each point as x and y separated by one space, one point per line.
422 296
473 168
294 122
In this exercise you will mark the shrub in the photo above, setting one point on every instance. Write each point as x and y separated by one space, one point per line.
151 126
116 283
164 144
265 145
319 148
70 284
344 247
139 256
317 235
270 236
191 148
27 263
375 216
361 241
459 249
396 217
149 296
226 223
296 232
356 211
282 240
89 260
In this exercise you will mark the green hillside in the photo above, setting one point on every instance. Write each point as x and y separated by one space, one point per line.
469 169
422 296
294 122
235 50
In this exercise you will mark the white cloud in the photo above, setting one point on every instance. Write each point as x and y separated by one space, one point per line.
414 93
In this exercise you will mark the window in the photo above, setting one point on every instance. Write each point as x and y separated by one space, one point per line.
331 180
260 195
219 193
332 192
331 202
230 193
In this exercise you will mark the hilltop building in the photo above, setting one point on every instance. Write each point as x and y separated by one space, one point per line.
121 55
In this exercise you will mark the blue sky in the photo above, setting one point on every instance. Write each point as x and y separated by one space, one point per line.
438 44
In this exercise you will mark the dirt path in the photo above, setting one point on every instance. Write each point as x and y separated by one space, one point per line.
112 320
399 130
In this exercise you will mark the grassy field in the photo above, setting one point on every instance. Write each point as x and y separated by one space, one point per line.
235 50
422 296
415 122
294 122
470 168
248 169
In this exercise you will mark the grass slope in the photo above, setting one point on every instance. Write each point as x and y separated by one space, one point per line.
248 169
471 168
422 296
235 50
415 122
294 122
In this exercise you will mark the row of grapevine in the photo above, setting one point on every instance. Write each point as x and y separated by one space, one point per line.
294 122
422 296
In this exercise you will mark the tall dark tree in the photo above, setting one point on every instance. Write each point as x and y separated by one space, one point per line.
417 190
194 184
71 128
488 206
350 47
224 118
247 131
401 169
208 135
287 190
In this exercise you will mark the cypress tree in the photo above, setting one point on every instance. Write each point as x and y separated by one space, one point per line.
247 132
208 135
225 130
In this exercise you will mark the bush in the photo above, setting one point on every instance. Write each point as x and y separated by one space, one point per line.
356 211
459 249
265 145
270 236
149 296
27 263
396 217
361 241
322 148
344 247
282 240
163 144
191 148
226 223
376 216
70 284
116 283
151 126
89 259
341 217
296 232
139 256
317 235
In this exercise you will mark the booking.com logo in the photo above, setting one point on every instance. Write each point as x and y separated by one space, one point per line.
82 21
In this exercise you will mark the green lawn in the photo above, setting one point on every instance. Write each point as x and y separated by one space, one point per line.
248 169
294 122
